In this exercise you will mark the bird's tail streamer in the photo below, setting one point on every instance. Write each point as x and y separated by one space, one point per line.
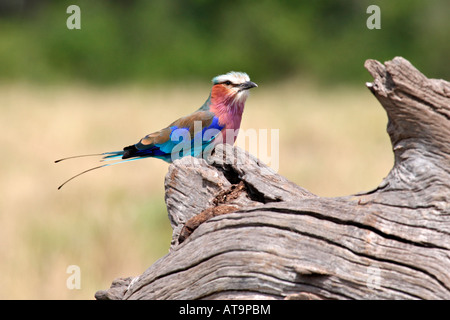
107 156
95 168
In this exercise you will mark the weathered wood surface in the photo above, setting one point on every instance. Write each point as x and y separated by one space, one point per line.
242 231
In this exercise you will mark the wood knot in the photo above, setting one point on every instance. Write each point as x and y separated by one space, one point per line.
203 216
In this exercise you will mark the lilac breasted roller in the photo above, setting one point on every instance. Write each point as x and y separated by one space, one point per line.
195 133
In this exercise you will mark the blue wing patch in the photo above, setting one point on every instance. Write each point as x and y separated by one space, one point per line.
180 144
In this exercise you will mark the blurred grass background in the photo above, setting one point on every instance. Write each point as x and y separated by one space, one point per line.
137 65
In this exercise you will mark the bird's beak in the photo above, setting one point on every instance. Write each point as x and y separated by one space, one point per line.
247 85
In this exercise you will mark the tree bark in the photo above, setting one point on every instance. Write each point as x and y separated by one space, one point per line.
241 231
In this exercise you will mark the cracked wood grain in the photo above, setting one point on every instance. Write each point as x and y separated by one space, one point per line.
241 231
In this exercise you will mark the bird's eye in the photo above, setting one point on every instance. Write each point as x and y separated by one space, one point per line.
228 82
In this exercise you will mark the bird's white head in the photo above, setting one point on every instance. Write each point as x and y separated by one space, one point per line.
233 85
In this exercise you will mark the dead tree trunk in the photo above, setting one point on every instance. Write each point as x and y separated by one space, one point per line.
242 231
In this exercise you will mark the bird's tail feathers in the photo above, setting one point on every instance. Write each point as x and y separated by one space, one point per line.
98 167
80 156
106 156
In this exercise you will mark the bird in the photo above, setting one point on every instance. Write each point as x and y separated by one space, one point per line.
194 134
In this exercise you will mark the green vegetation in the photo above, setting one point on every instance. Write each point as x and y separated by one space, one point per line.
162 41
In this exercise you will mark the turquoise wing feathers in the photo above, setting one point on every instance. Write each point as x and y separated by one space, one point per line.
190 135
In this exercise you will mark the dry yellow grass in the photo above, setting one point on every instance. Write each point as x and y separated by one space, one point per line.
113 222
